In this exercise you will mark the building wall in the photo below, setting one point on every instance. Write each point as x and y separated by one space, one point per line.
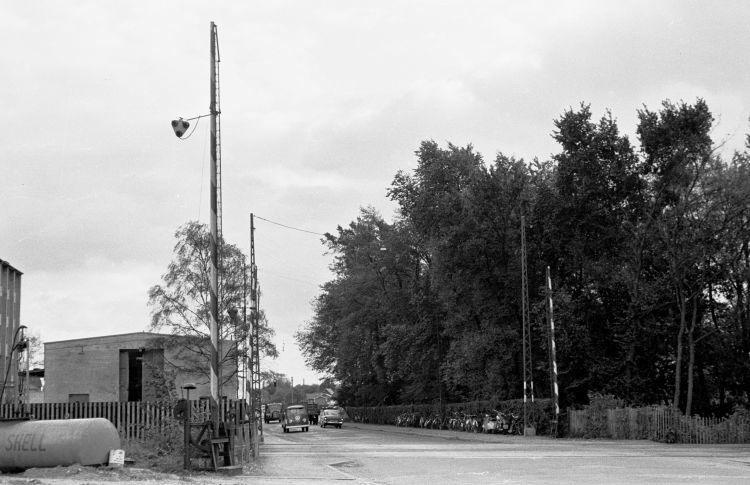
94 367
86 366
10 320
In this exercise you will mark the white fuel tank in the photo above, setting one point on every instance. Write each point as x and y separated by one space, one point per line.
29 443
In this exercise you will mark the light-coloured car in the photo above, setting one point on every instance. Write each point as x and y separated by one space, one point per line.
330 417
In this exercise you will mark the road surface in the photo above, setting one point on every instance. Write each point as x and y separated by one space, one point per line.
371 454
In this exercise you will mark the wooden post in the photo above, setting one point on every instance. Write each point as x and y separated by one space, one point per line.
552 354
214 283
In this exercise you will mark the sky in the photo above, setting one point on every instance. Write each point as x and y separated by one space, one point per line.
321 104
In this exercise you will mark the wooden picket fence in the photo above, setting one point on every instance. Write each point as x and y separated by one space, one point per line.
135 421
658 423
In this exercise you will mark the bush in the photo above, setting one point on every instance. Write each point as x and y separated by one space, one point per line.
161 447
597 423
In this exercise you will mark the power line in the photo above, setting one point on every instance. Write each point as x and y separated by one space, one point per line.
285 277
289 227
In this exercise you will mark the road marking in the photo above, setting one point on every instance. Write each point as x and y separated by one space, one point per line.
349 476
303 479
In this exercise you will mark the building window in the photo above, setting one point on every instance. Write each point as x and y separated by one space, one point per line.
78 398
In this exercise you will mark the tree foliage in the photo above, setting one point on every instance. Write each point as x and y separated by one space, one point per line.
647 246
181 305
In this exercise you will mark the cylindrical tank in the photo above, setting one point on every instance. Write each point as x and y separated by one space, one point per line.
29 444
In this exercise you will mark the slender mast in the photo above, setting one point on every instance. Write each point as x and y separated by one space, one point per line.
215 367
255 392
552 354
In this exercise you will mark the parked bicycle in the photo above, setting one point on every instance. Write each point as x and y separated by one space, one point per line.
493 422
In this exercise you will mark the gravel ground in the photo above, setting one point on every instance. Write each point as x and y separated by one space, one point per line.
89 475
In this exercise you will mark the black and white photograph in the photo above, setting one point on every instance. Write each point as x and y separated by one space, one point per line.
393 242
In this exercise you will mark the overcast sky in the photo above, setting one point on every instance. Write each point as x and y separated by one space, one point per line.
322 102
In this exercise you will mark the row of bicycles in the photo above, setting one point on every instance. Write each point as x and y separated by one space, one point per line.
489 422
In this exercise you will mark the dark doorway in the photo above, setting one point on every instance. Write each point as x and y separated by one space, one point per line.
131 374
135 375
137 366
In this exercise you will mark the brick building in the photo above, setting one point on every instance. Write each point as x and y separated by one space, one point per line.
127 367
10 321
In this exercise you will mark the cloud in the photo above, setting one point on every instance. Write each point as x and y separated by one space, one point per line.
321 105
97 298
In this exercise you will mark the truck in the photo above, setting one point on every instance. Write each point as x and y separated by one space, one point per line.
313 411
273 412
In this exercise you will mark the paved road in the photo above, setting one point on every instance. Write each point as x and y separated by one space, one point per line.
371 454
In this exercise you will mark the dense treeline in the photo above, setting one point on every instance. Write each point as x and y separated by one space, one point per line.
648 252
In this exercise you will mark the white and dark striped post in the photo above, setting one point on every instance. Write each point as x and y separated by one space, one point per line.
552 354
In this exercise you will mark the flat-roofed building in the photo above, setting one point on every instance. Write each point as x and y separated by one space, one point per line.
139 366
10 322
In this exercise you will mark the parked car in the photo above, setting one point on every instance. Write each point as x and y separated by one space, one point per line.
330 417
294 417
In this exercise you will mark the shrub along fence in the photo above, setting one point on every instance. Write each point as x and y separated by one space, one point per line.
540 412
658 423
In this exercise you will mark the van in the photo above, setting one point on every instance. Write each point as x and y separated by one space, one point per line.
294 417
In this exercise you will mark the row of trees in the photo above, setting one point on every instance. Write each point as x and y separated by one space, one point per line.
281 390
648 250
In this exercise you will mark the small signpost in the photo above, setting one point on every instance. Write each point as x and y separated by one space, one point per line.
116 458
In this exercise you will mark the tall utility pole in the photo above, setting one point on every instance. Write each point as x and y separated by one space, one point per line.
528 375
244 343
180 126
254 338
214 297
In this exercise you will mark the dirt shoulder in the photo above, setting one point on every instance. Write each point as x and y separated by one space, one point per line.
104 475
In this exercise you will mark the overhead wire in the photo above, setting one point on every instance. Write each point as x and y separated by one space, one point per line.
286 226
289 227
289 278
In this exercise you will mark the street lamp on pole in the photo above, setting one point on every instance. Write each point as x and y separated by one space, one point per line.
180 127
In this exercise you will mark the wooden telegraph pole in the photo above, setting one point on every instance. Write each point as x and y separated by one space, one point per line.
254 337
180 127
214 297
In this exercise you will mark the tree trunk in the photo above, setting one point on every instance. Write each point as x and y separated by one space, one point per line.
691 358
743 302
634 323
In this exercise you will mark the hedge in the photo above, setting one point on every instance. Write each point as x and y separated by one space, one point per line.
540 412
